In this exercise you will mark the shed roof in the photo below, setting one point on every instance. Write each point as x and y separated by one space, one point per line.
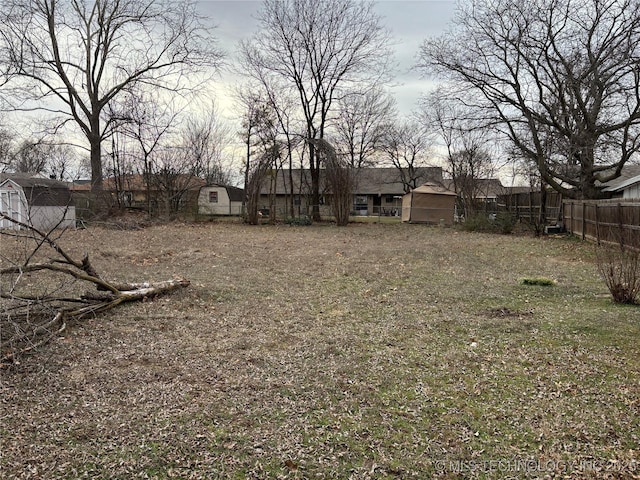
31 180
235 194
41 192
433 189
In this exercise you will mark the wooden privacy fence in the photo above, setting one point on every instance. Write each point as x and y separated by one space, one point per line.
604 221
526 206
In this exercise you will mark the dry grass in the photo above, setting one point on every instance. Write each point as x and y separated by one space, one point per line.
372 351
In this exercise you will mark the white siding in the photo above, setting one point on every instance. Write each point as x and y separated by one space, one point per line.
13 203
224 206
632 192
46 218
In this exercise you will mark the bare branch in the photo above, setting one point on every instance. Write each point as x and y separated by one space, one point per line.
560 79
77 57
30 319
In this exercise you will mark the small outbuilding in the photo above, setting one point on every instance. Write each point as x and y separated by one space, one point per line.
429 203
42 203
220 200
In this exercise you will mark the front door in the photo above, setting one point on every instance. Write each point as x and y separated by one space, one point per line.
377 203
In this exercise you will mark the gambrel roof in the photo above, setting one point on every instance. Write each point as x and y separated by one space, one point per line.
41 192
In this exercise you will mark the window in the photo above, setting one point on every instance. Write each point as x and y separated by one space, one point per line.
213 197
360 202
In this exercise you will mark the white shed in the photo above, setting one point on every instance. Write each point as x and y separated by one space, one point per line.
220 200
39 202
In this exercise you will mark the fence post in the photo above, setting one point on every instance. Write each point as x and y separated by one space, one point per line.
584 221
597 227
620 226
573 229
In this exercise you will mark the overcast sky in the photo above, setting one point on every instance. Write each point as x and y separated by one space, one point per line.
410 22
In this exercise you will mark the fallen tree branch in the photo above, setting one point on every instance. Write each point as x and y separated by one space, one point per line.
80 275
31 320
11 355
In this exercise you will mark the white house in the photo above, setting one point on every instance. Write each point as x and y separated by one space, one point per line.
627 186
39 202
220 200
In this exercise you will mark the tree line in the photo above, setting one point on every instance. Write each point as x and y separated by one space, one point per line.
549 89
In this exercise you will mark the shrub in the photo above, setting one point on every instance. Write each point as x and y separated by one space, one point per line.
301 221
502 223
542 281
620 269
477 223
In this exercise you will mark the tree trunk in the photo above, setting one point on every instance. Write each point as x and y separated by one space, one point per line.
314 170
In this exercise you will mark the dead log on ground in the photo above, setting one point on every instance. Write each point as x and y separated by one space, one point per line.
31 319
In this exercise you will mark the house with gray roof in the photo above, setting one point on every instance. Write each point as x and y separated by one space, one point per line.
377 191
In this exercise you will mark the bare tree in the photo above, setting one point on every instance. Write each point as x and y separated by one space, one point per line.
203 140
471 168
172 177
7 66
317 48
340 176
272 107
468 157
6 150
53 160
120 168
363 119
73 58
556 76
30 157
406 148
257 171
62 162
267 122
146 121
171 150
259 135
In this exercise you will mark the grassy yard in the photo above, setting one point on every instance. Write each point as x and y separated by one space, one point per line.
372 351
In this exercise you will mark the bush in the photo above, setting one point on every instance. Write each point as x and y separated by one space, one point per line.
478 223
301 221
620 269
502 223
541 281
